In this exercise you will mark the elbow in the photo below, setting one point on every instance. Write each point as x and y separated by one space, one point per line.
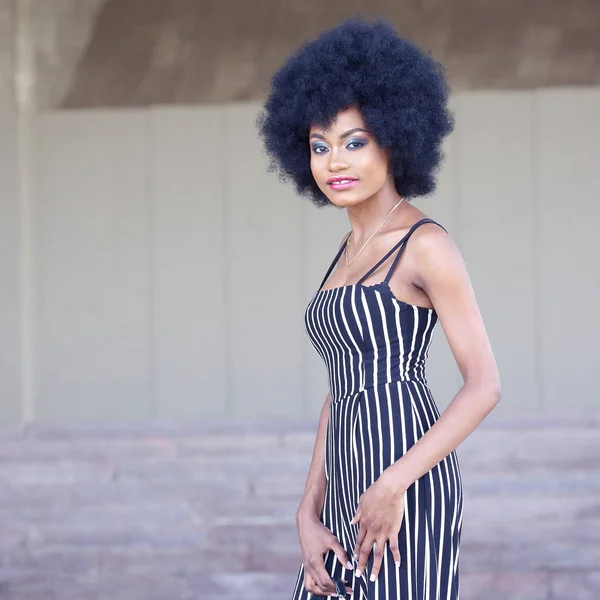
492 391
487 390
496 392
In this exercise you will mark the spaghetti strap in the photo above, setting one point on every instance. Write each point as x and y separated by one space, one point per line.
400 247
405 241
335 261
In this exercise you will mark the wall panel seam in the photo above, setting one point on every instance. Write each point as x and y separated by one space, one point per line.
225 117
537 257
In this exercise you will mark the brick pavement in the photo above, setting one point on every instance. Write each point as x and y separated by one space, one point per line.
162 511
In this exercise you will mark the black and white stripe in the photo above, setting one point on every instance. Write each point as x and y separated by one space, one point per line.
375 348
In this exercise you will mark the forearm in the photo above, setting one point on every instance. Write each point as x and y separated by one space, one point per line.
468 408
314 490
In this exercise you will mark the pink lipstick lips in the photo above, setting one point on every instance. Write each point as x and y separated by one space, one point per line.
341 183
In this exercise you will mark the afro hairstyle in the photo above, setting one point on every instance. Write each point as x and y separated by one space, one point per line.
399 90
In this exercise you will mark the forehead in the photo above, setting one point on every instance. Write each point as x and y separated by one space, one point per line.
345 120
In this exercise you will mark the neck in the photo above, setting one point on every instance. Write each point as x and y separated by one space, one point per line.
367 215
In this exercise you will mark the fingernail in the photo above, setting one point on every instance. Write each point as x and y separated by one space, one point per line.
398 563
358 573
373 578
349 565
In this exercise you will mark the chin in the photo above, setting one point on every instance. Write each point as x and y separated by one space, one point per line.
344 200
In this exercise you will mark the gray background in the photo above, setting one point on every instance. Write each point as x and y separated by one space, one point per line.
152 268
169 271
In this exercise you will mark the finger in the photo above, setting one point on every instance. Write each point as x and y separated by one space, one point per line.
378 552
321 577
363 553
311 586
393 545
340 553
356 517
362 532
314 587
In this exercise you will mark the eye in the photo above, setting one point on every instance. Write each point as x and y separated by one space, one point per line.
355 144
319 148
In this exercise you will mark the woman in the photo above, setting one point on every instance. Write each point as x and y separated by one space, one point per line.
356 119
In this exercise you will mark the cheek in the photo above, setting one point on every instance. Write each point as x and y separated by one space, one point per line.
316 162
317 169
314 168
377 168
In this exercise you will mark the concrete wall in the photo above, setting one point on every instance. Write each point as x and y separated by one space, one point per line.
171 270
10 393
126 53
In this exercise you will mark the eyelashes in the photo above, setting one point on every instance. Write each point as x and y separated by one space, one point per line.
354 144
319 148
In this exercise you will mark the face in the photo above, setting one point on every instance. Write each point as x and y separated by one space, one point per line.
346 161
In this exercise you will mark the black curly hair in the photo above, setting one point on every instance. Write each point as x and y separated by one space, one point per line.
400 91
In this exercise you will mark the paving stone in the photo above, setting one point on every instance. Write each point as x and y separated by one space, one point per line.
160 513
302 441
138 430
23 472
267 546
11 537
536 516
532 482
10 593
582 585
57 501
505 586
282 485
175 561
147 586
226 444
209 468
172 471
46 563
228 585
112 535
491 449
228 510
527 554
85 449
170 430
10 433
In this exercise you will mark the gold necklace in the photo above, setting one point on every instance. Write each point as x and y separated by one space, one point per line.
348 263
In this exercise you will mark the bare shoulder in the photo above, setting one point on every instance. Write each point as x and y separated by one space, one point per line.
439 270
431 239
434 253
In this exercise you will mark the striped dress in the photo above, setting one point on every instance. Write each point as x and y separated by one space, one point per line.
375 347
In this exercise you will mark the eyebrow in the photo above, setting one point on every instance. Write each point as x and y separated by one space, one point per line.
344 135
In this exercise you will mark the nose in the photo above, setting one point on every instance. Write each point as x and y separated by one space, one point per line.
336 162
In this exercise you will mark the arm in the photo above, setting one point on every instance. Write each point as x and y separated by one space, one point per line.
314 490
441 273
315 539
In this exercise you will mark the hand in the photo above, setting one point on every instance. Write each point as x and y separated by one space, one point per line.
315 541
380 512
